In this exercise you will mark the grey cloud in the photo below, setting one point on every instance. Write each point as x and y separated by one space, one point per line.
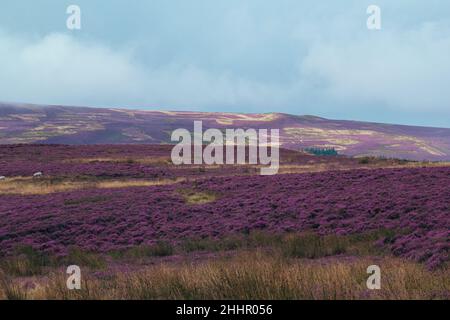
301 57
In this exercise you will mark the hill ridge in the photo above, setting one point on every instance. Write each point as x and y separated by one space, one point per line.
28 123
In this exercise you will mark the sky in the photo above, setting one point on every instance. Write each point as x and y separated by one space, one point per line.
312 57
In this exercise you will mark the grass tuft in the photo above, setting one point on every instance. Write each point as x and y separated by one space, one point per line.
196 197
25 262
82 258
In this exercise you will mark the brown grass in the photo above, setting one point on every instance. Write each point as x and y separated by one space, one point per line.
135 183
145 160
23 186
373 164
248 275
30 186
257 266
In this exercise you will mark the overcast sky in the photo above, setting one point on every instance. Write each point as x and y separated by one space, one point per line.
302 57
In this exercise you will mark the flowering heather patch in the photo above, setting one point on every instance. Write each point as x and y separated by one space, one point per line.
414 201
151 162
59 160
116 161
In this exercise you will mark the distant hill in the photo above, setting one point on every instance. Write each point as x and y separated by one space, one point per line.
81 125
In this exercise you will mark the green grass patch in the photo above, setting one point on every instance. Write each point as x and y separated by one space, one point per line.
197 197
82 258
311 246
295 245
26 261
159 249
225 244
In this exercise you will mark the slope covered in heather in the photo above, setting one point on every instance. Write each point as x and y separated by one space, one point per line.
75 125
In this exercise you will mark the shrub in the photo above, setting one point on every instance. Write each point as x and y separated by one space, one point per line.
321 151
364 160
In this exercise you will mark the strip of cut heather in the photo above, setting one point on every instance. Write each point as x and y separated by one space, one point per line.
415 201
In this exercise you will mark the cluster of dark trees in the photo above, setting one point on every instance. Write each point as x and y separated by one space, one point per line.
321 151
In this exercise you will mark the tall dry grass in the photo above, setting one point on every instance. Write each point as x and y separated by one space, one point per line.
248 275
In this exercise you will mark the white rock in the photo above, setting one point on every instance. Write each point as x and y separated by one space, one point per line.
37 175
2 178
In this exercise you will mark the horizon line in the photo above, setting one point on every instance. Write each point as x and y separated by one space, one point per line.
155 109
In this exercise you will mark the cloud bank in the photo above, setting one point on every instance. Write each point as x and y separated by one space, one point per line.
300 58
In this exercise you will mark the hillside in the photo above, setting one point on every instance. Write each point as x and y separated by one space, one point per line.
78 125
